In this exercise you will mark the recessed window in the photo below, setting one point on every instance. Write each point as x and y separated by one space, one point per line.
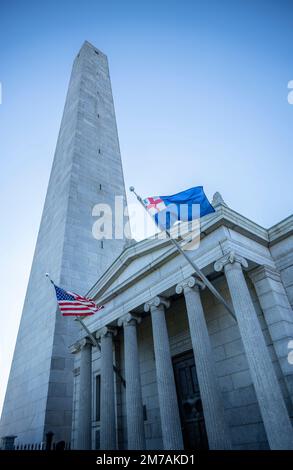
100 187
98 397
99 150
102 244
97 52
145 417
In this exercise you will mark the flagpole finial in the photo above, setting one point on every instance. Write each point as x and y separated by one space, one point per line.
49 277
132 189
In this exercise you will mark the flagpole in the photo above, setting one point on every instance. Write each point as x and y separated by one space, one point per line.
93 339
197 270
90 335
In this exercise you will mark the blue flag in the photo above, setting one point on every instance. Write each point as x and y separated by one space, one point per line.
184 206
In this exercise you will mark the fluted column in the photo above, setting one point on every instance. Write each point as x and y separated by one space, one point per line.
272 406
213 409
108 415
169 411
84 434
134 406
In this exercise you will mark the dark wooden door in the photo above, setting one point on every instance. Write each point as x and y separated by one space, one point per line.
190 406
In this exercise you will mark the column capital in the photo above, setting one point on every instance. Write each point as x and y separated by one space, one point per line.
106 331
79 345
188 284
230 258
129 319
85 342
156 302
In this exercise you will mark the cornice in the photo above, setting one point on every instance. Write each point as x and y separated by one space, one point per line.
229 218
224 217
281 230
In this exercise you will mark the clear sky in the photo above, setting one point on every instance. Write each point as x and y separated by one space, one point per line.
200 91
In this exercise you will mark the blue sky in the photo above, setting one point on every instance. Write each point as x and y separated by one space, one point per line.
200 91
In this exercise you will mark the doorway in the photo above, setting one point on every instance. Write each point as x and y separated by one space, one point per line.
189 401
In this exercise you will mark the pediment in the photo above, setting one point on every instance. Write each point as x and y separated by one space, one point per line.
134 262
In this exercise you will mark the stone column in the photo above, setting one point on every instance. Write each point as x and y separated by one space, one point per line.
278 315
108 415
213 409
272 406
169 411
84 434
134 406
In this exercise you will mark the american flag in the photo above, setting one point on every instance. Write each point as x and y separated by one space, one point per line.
71 304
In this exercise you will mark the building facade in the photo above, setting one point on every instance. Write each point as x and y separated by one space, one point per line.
195 377
87 170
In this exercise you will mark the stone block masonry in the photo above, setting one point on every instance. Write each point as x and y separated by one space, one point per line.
40 389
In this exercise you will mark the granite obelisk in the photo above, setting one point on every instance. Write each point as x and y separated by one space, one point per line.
86 170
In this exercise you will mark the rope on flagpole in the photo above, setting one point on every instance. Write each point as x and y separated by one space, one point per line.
196 269
93 339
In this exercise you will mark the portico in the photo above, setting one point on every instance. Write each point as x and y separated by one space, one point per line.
194 376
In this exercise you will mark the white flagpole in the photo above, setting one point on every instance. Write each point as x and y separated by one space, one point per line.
196 269
93 339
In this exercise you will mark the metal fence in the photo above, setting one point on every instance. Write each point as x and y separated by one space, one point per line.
11 443
42 446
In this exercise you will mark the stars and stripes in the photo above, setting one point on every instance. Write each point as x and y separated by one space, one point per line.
71 304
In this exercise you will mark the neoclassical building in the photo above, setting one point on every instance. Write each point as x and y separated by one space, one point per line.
172 368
